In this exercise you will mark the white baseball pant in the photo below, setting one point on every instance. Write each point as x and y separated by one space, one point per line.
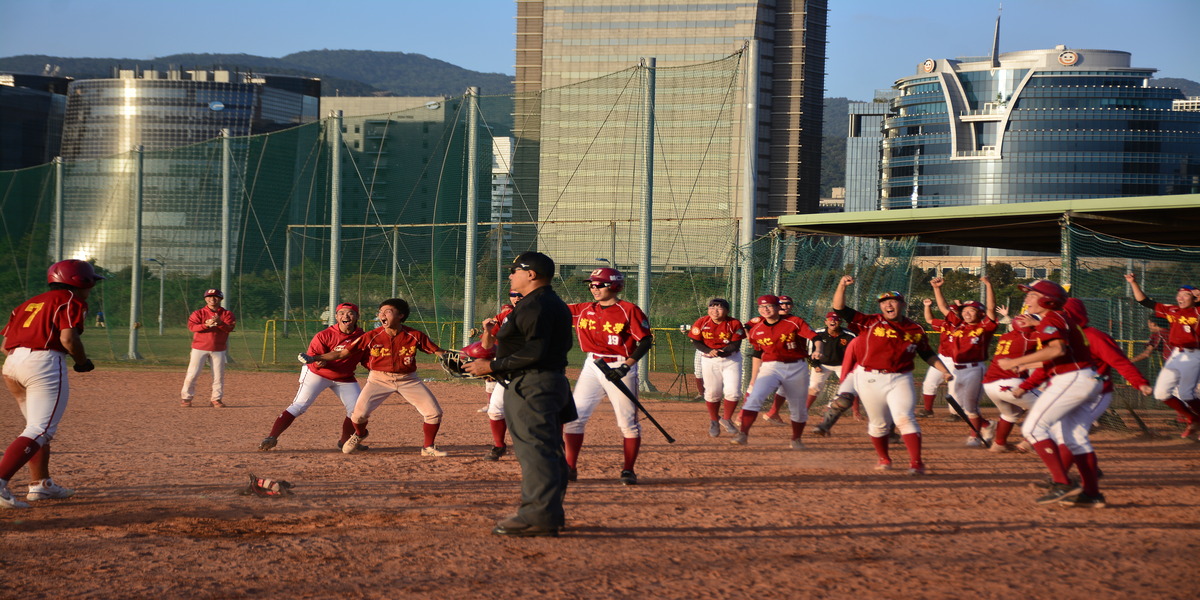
311 386
43 375
1065 393
889 398
1179 376
381 385
1073 430
495 410
1010 407
698 365
966 385
790 378
818 375
934 377
196 364
722 377
592 386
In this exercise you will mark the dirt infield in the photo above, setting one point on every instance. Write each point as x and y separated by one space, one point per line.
156 514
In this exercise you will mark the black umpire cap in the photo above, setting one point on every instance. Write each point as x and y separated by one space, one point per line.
534 261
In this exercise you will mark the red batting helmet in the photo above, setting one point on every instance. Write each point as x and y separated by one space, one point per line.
1053 295
768 299
785 299
476 350
73 272
973 304
614 278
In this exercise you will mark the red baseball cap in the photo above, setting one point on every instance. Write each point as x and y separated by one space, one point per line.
973 304
785 299
833 315
214 292
350 305
768 299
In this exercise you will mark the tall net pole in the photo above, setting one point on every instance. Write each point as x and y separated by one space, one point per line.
226 211
472 214
135 277
648 67
749 187
335 213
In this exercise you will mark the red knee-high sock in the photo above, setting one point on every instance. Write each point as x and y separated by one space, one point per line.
430 430
1089 472
776 404
18 453
798 429
1047 450
1003 428
979 424
499 428
748 417
1066 458
912 443
360 429
714 409
282 422
347 430
572 442
700 386
808 402
928 398
1183 411
631 452
881 447
729 406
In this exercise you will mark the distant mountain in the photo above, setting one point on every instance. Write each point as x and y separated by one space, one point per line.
1187 86
342 72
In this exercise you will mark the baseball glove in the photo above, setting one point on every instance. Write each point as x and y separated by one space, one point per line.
452 362
263 487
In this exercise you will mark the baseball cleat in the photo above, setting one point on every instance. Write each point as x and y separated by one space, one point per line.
1059 492
917 470
517 528
7 500
628 478
572 474
1085 500
185 403
46 489
431 451
1192 429
883 465
728 426
351 444
820 431
774 420
1002 448
974 442
922 413
797 444
740 439
218 404
714 429
267 443
495 452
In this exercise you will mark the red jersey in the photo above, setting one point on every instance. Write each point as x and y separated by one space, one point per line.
609 330
964 342
37 323
890 345
329 339
1106 356
393 354
780 341
216 338
1013 344
1057 325
717 335
501 317
853 356
1184 324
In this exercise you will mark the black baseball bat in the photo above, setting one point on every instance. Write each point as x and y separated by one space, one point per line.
963 414
620 385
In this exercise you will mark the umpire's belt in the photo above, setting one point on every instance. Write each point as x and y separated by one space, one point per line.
511 375
961 366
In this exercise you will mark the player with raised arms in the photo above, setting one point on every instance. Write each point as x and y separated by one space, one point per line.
1176 382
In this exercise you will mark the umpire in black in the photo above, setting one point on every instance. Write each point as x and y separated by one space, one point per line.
531 358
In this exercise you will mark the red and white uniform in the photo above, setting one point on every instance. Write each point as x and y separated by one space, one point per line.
392 362
38 361
1000 383
495 409
883 378
208 344
783 349
1072 380
1181 372
934 377
722 374
611 333
336 375
965 353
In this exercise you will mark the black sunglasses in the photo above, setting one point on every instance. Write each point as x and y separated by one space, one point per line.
516 295
599 285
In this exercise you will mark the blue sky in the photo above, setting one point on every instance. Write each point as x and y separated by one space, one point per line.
871 42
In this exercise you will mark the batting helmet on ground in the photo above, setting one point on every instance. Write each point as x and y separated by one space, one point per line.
73 272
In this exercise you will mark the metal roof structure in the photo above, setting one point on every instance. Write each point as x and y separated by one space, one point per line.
1027 226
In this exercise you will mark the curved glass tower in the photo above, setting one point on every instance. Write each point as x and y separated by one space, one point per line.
1036 125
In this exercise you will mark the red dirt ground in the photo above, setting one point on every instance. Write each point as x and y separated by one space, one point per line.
157 514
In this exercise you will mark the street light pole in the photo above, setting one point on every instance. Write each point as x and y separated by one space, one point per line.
162 282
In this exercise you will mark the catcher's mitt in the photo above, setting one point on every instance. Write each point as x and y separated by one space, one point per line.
263 487
452 362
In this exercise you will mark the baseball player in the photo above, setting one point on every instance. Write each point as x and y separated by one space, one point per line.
38 337
1071 434
830 345
846 396
968 333
1063 353
618 332
1156 343
335 375
785 308
933 378
1011 391
883 379
779 362
390 355
718 340
495 409
1176 383
210 327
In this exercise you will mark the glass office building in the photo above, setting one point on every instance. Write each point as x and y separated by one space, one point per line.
161 111
1037 125
31 119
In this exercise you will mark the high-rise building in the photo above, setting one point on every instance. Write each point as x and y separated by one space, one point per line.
31 119
168 114
561 42
863 146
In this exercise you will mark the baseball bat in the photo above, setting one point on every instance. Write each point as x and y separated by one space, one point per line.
620 385
963 414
